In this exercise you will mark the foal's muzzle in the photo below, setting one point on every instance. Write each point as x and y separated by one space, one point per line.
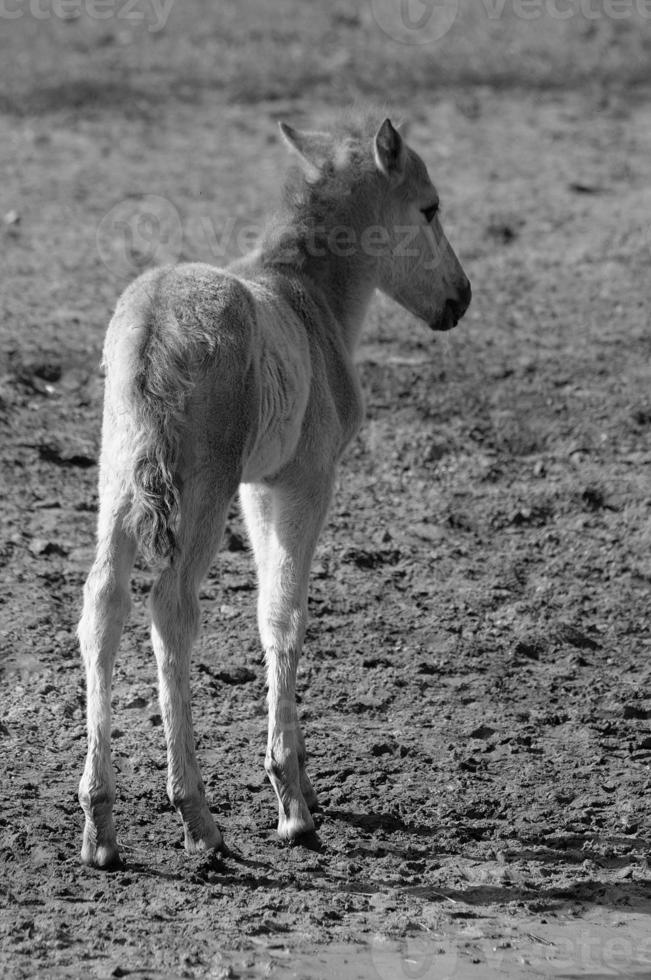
454 309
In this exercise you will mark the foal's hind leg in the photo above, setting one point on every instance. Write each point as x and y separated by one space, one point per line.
175 625
106 606
284 521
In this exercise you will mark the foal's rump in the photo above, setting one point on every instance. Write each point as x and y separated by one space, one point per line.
180 391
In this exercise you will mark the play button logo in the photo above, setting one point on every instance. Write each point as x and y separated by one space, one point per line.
415 21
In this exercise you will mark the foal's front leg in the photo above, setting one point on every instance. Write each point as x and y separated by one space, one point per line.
284 521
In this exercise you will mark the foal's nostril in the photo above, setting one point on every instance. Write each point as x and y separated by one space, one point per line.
459 305
455 308
453 314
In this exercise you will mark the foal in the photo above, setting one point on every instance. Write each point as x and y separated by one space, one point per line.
218 379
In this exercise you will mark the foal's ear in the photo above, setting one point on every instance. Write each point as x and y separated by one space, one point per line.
312 148
389 151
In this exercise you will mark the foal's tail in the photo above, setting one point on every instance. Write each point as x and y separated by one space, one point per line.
154 488
147 382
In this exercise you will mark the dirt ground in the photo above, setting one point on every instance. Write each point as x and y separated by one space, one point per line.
475 682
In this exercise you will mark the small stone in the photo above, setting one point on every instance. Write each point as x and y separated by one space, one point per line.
136 702
236 675
482 732
233 541
41 546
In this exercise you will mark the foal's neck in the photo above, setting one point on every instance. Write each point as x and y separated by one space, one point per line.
344 282
346 285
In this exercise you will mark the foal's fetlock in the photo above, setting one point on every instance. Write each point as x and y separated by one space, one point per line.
201 831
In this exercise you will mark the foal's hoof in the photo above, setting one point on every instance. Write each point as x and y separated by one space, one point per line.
99 848
201 832
204 844
208 838
295 825
103 856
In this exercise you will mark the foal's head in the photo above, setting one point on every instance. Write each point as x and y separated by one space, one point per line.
367 205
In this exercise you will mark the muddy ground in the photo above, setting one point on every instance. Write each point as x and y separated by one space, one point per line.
475 682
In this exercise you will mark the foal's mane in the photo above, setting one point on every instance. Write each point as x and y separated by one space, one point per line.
341 195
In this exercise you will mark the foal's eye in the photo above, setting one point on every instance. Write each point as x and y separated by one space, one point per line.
430 212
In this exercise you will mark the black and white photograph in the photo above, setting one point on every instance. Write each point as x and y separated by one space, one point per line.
325 489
